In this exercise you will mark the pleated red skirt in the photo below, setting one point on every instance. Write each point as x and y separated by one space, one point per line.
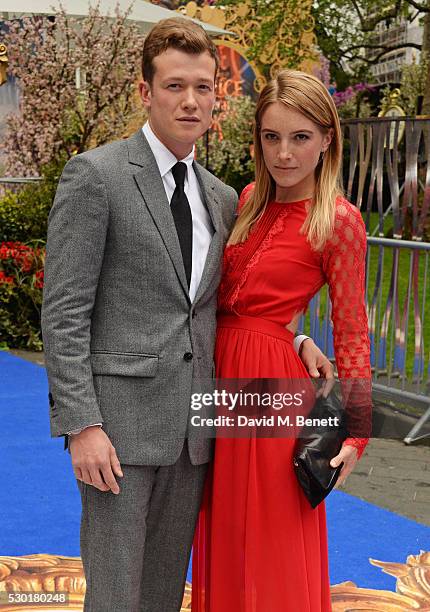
259 546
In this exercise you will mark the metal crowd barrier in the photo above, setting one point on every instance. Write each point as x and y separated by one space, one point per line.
387 175
399 323
17 180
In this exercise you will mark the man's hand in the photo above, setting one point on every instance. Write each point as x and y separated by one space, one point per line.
317 365
94 459
349 455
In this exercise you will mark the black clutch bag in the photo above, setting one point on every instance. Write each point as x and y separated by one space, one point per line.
319 442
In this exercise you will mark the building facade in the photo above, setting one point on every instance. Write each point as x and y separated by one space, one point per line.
396 32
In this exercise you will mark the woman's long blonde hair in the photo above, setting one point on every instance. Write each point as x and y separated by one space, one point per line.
307 95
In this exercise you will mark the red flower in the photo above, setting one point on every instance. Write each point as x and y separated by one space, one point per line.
9 280
39 279
22 258
22 255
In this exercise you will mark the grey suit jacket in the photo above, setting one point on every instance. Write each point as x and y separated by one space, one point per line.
123 343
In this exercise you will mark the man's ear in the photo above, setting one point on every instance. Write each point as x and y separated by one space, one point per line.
145 93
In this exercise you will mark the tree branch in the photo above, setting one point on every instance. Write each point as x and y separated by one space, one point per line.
384 48
359 15
347 53
418 6
368 24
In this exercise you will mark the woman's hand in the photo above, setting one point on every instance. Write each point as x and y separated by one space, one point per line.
318 366
349 455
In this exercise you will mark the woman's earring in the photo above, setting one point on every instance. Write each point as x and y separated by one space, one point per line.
321 156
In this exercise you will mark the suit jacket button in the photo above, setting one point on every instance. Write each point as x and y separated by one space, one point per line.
188 356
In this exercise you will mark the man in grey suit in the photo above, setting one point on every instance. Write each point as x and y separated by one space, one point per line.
135 242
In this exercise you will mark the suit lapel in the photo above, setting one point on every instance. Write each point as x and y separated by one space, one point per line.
213 259
150 184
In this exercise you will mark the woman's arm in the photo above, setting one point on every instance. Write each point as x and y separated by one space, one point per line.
344 266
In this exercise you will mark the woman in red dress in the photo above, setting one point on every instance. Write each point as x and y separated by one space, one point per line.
259 545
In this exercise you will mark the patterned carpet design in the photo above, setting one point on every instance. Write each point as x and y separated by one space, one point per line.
23 578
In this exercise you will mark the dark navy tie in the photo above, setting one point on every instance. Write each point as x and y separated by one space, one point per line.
181 212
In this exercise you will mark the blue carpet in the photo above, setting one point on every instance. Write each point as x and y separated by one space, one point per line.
38 492
358 530
40 504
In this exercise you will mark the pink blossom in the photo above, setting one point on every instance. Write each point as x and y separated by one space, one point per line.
56 119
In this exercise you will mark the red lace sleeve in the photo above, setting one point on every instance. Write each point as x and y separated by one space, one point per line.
246 192
344 268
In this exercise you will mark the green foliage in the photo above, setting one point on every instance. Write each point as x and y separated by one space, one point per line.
230 154
21 283
23 227
335 29
355 107
24 213
280 21
413 85
19 319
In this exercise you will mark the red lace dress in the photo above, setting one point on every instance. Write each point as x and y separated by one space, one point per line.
259 546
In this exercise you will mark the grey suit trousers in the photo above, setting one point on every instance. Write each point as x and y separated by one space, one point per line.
136 546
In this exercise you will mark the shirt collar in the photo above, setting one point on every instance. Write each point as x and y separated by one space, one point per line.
164 158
